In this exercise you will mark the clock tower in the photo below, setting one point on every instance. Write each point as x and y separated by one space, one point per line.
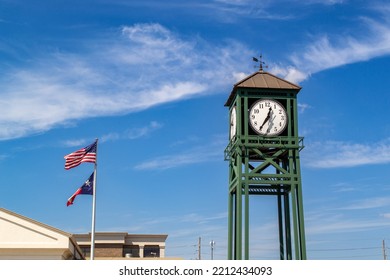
263 155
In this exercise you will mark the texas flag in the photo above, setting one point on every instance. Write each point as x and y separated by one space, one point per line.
86 188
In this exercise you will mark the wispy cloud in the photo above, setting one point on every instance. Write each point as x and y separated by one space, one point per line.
344 187
346 225
192 218
129 134
330 50
248 9
75 142
132 133
323 2
277 10
2 157
197 154
302 107
144 66
325 222
335 154
368 203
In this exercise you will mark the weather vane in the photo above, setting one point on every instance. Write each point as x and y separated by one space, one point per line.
260 61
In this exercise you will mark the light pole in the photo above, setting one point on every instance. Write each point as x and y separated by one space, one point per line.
212 243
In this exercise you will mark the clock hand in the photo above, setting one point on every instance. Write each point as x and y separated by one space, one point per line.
267 118
271 124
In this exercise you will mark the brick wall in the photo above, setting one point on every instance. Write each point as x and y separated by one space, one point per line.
109 250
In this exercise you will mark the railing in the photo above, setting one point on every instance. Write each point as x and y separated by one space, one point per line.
263 143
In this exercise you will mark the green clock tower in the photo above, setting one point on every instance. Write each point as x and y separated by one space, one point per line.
263 155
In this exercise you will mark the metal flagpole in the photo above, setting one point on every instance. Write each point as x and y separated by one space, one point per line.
94 207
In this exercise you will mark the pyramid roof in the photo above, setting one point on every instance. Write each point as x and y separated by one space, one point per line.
262 80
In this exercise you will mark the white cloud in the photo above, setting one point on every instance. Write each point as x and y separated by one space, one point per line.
330 51
330 223
324 2
145 66
345 225
176 160
195 155
303 106
368 203
276 10
132 133
129 134
76 142
258 10
335 154
3 157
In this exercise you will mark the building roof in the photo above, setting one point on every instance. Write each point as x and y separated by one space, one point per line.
119 238
16 215
261 80
26 238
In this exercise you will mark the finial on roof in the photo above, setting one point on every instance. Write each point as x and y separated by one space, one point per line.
260 61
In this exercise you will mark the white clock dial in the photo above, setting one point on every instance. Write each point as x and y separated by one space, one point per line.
268 117
233 123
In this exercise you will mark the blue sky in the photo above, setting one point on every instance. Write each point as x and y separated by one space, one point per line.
150 78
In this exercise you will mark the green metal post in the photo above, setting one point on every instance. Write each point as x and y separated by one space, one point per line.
246 190
287 218
300 215
238 235
302 239
230 226
246 187
295 222
280 219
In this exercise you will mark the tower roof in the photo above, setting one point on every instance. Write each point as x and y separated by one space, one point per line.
262 80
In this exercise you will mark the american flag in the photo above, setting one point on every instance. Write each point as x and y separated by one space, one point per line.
87 154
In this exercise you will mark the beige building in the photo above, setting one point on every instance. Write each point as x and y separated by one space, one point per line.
120 245
26 239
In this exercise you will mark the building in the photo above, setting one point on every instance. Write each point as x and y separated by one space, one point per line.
22 238
120 245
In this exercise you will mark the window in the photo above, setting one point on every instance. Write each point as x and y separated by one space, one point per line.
131 251
152 251
86 251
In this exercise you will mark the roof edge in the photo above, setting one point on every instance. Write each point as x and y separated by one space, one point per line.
276 79
9 212
267 73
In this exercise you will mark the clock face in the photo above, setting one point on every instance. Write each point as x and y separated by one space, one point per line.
233 123
268 117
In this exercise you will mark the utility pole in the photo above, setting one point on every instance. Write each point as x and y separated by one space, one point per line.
384 249
199 246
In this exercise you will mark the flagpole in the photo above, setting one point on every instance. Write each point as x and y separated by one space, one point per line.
94 208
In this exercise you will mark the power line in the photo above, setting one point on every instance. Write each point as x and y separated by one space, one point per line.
351 257
344 249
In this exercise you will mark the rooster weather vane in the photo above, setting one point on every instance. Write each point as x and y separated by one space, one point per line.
261 62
